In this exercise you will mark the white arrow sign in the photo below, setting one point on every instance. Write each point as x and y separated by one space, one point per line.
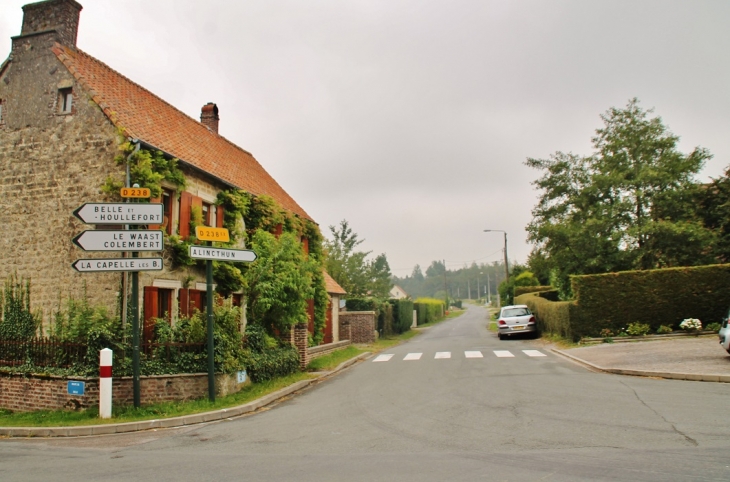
133 240
222 254
118 264
120 213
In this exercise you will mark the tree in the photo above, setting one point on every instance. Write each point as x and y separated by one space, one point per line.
380 277
628 206
343 263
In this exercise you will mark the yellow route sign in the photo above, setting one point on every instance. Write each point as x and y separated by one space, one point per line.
205 233
136 192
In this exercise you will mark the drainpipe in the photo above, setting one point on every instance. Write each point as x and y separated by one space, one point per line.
125 276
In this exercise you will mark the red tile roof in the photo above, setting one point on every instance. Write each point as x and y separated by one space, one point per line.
144 116
332 286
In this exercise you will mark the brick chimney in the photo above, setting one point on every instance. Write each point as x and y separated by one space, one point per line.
59 15
209 116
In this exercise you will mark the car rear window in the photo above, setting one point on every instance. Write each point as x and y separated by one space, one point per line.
515 312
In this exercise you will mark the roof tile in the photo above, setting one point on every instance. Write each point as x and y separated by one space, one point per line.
149 118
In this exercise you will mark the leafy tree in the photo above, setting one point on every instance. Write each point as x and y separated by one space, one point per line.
520 277
380 277
280 282
346 265
628 206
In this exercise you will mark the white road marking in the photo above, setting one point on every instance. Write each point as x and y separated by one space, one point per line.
385 357
442 354
413 356
503 353
473 354
533 353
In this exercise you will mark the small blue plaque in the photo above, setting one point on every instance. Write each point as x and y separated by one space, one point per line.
76 388
242 376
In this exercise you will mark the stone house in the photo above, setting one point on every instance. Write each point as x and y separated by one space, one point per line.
63 117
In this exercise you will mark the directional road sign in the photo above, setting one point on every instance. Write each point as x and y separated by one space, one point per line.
222 254
117 264
120 213
133 240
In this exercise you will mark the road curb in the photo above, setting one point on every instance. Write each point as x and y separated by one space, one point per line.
644 373
174 422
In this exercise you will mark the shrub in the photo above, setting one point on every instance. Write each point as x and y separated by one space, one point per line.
691 324
638 329
713 326
664 329
16 320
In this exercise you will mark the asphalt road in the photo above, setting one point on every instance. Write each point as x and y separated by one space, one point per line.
428 419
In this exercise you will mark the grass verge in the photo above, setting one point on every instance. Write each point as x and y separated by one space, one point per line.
332 360
127 413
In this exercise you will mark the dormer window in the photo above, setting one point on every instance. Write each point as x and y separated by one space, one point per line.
65 101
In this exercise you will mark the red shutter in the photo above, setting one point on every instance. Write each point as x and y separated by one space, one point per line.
219 216
278 230
305 245
196 300
156 200
150 312
186 202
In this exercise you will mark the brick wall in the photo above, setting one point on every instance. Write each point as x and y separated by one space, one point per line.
27 393
321 350
359 325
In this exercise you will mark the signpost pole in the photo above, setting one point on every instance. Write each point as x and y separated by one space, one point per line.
211 348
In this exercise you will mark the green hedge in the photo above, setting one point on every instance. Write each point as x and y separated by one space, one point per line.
429 310
402 315
270 364
360 304
655 297
552 316
523 290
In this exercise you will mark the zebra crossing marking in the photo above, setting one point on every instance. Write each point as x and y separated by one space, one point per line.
503 354
442 355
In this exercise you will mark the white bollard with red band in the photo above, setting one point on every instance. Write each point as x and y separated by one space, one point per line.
105 383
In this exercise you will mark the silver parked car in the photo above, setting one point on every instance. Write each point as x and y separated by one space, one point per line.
724 332
516 319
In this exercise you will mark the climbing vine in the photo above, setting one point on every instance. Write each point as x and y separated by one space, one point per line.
148 168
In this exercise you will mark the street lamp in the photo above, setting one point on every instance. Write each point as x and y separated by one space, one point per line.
506 267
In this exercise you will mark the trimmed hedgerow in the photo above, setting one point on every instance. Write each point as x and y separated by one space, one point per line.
402 315
653 297
522 290
552 316
429 310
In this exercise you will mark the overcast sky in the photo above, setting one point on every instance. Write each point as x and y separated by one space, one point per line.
412 119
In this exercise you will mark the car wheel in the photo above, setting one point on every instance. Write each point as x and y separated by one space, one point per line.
499 335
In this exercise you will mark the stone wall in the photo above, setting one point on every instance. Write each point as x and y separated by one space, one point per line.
27 393
359 325
50 164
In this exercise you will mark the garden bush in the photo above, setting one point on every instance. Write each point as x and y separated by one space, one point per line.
402 315
429 310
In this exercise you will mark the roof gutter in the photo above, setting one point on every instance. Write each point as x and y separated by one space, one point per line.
191 166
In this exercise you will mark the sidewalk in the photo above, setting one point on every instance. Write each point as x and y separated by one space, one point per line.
222 414
699 359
